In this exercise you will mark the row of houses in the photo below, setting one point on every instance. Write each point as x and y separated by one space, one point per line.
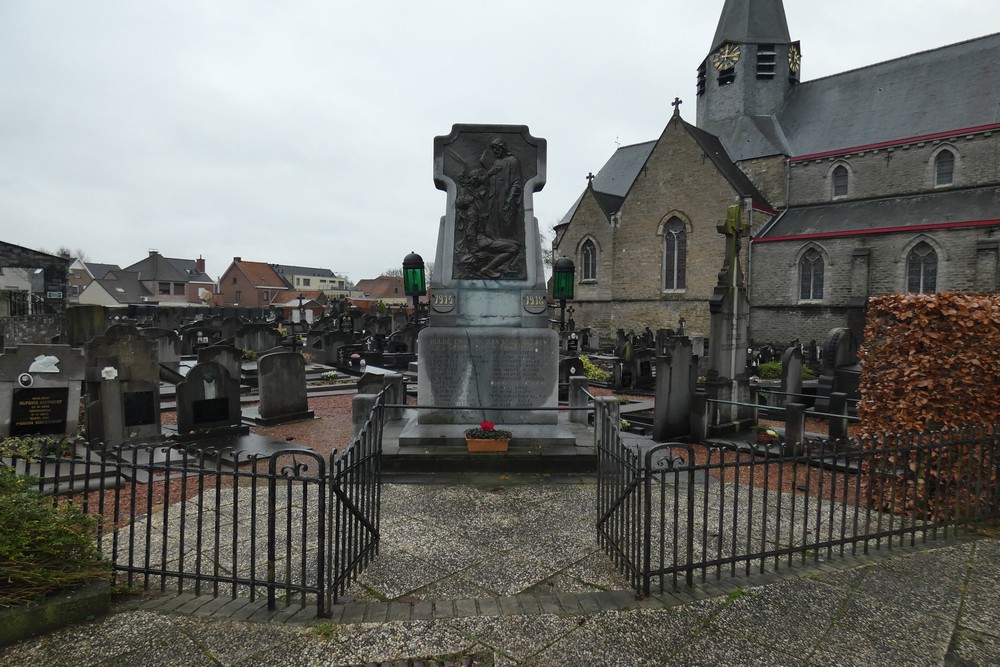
162 281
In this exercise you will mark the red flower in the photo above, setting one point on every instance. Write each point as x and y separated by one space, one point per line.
486 426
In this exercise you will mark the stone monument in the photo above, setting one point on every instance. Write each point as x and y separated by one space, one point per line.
727 380
488 352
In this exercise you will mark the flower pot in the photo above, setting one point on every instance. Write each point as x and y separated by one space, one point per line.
764 438
486 444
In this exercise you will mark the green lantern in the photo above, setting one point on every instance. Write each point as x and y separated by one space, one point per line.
562 278
414 283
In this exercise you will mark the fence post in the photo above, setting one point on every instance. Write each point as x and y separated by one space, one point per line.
578 399
795 428
699 416
838 406
361 406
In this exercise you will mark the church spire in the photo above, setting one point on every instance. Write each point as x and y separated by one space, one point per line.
752 22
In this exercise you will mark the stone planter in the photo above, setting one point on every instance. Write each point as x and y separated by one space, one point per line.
486 444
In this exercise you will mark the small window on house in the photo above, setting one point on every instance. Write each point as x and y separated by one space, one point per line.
178 289
234 280
674 255
588 259
164 288
305 282
811 276
265 296
238 296
840 180
944 168
921 269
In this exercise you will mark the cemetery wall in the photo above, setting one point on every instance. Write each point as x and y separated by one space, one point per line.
31 329
897 170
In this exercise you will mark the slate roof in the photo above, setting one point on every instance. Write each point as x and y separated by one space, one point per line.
189 268
169 269
871 215
124 286
717 153
950 88
752 22
99 271
615 178
286 269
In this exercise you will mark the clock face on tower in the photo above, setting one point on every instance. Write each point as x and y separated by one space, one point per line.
726 57
794 58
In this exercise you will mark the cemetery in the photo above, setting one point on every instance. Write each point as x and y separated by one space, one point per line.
161 427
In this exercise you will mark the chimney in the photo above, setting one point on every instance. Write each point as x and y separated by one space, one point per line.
237 259
200 264
153 253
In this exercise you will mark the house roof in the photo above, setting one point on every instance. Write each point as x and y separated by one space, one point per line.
977 206
917 95
99 271
189 268
717 154
287 269
752 22
124 286
169 269
382 287
261 274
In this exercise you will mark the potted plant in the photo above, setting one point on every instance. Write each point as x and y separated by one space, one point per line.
765 434
487 438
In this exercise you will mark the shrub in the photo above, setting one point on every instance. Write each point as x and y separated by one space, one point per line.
592 372
44 547
771 370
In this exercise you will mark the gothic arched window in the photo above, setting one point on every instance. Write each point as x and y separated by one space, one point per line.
944 168
840 181
674 255
588 261
921 269
811 276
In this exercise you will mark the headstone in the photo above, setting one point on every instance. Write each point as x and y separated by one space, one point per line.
257 336
791 375
208 402
282 378
84 323
727 382
168 347
123 388
841 372
198 335
676 373
488 350
40 390
228 356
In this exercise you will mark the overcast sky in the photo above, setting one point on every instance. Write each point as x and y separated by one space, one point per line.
302 132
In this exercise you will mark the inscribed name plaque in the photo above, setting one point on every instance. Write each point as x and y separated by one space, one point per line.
488 369
39 411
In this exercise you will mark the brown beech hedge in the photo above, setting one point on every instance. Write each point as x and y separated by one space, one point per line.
931 365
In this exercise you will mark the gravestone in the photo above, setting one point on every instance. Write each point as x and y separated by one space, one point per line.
197 335
40 390
791 375
123 388
168 351
260 337
84 323
372 382
841 371
208 403
488 350
228 356
282 381
729 305
676 373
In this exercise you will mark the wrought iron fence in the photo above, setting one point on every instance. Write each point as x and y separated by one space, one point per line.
680 513
292 526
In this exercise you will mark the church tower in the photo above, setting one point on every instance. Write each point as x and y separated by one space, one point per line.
750 69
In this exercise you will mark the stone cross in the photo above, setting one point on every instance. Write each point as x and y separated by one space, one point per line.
676 104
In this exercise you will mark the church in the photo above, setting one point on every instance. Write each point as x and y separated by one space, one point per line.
877 180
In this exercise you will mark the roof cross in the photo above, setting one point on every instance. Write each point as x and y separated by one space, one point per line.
590 177
676 104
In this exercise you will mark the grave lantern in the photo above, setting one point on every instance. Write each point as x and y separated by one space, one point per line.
414 283
562 285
